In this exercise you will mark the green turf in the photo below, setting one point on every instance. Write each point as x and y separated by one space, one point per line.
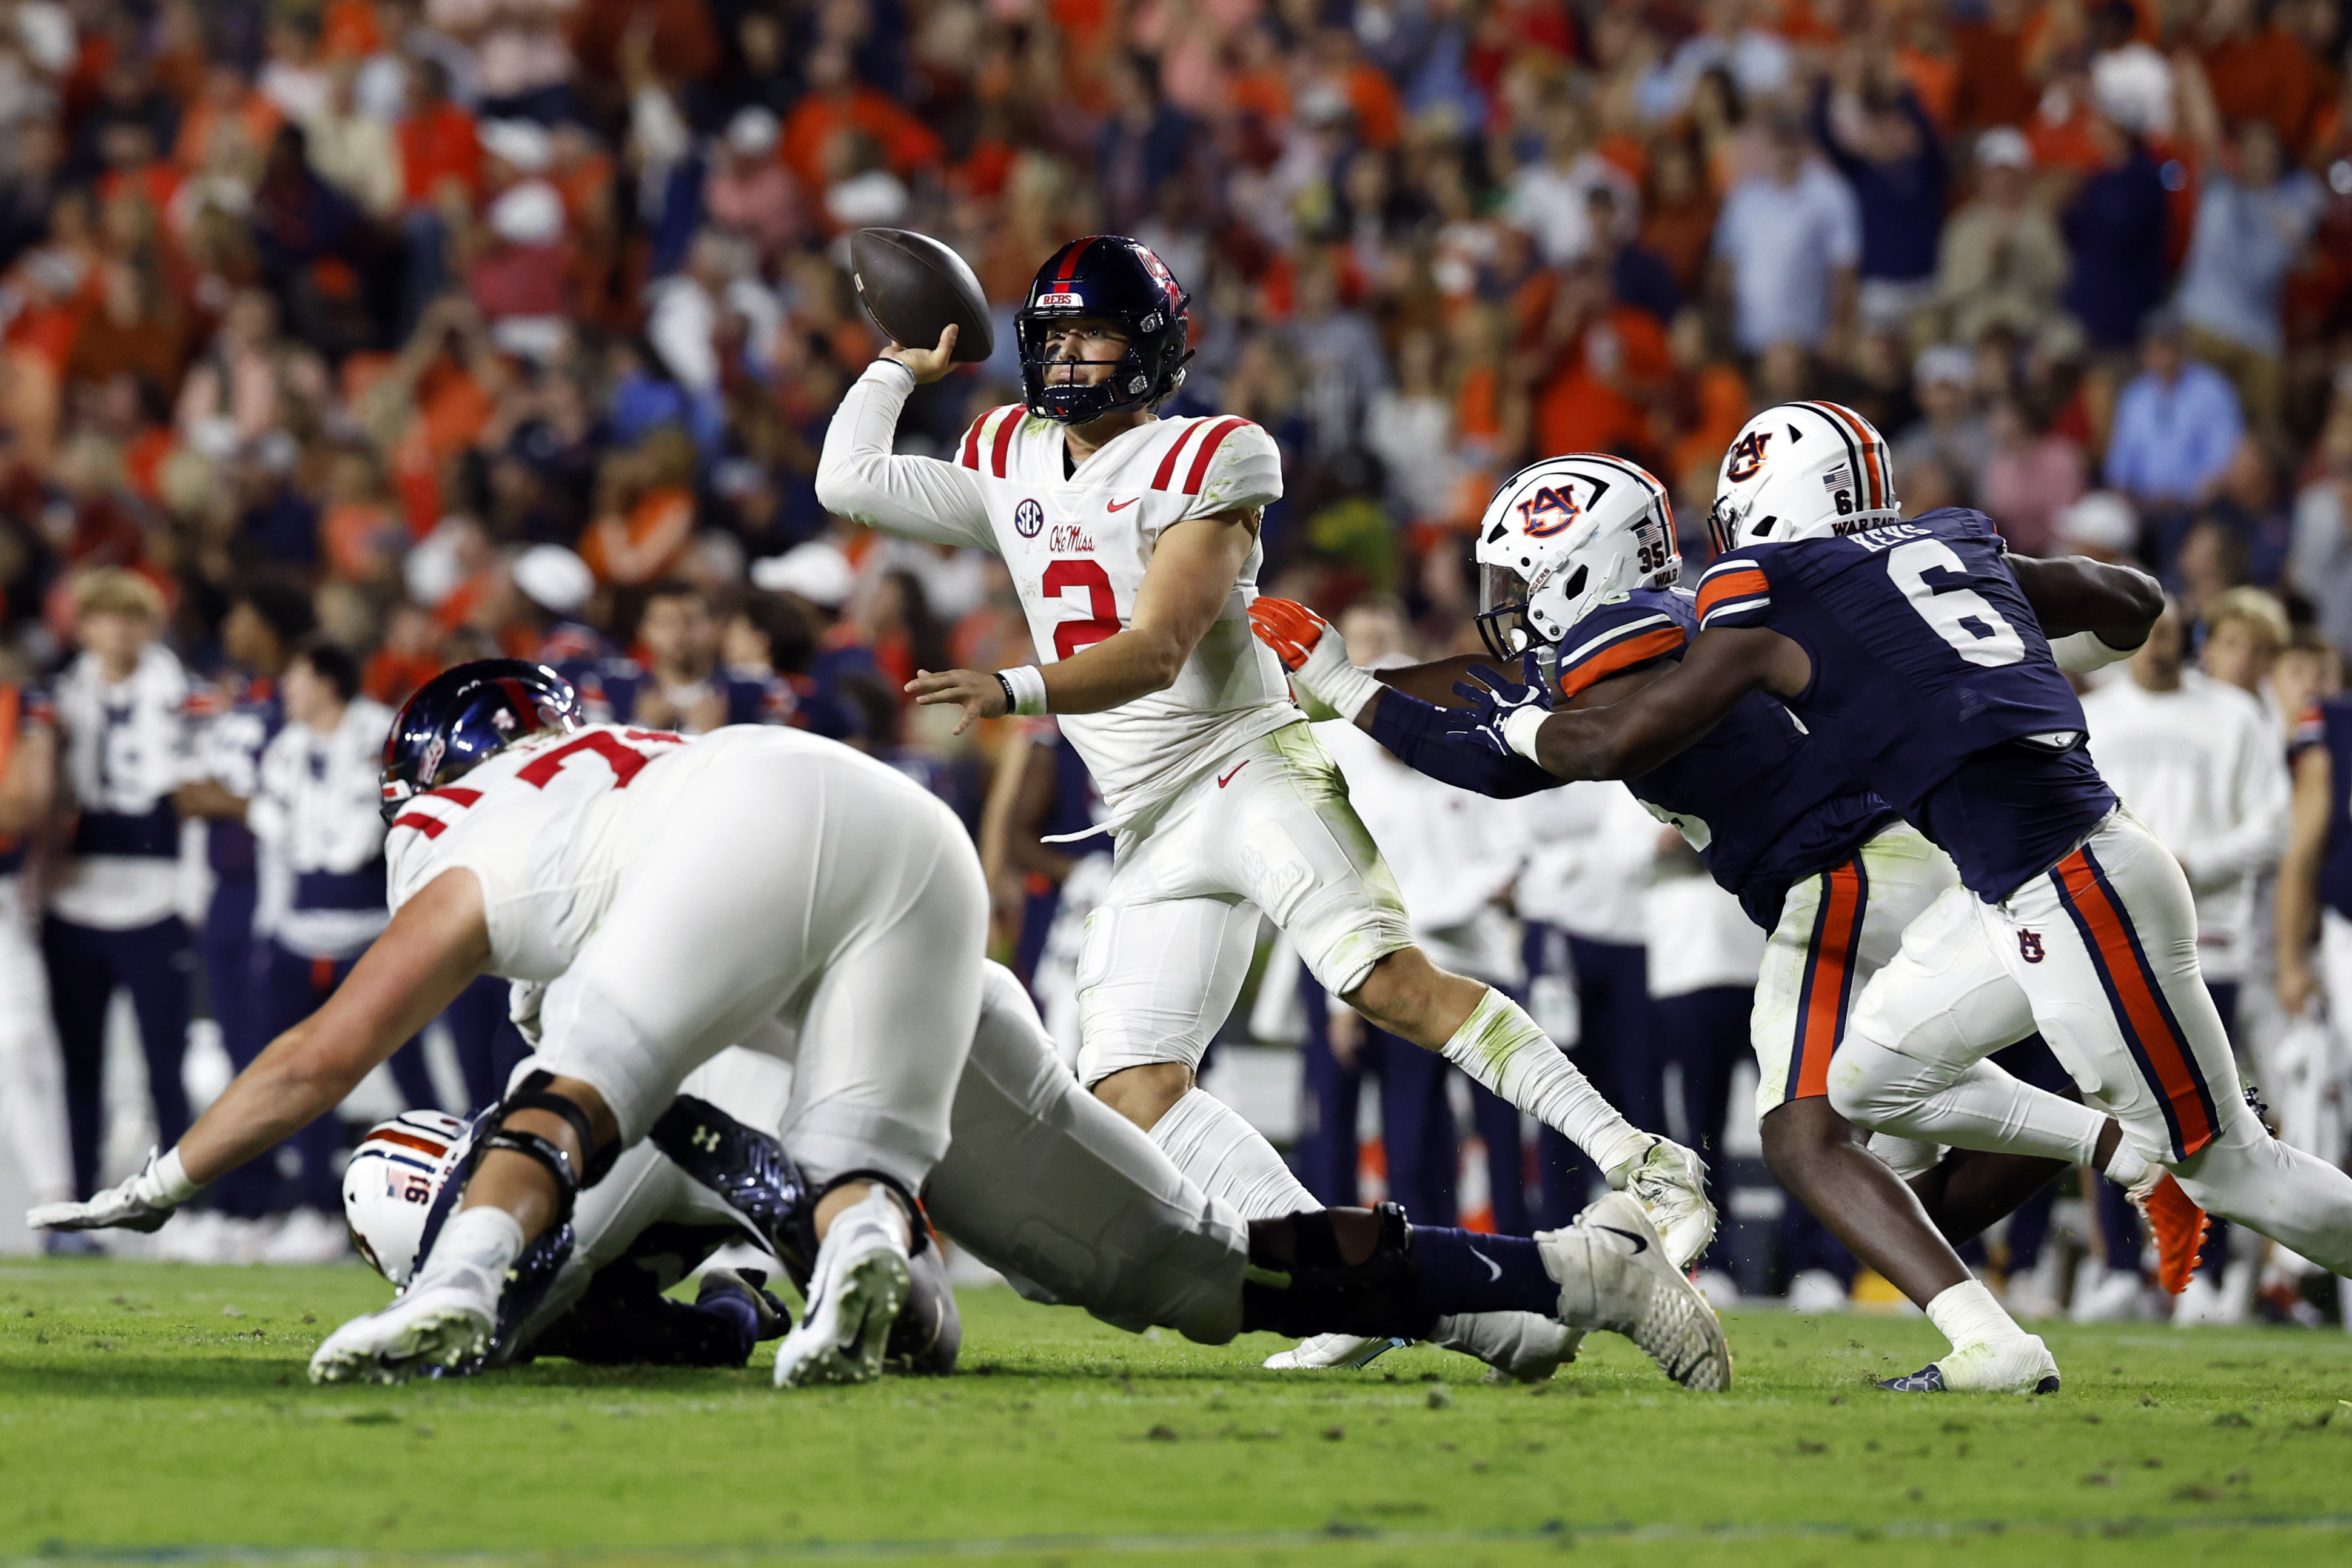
161 1413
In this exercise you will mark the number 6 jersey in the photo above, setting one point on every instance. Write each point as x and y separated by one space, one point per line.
1076 543
1932 683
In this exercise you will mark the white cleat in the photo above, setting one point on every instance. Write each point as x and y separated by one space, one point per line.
859 1283
2020 1364
1670 1184
1326 1350
1518 1347
436 1324
1614 1273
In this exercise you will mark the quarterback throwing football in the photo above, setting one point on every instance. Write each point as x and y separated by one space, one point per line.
1133 540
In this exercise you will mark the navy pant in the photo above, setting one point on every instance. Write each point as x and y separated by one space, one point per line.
292 988
488 1045
233 982
1706 1034
85 965
1617 1050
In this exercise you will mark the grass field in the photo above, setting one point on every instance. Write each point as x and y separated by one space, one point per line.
160 1413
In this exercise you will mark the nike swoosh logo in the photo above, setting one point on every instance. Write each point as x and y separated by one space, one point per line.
1121 505
1229 777
1641 1243
1493 1270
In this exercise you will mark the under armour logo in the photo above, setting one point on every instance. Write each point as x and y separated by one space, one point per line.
2029 946
705 1139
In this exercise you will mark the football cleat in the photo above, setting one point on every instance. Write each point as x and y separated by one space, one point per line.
437 1325
1670 1184
860 1282
1332 1350
2179 1225
1614 1273
2020 1364
1518 1347
772 1316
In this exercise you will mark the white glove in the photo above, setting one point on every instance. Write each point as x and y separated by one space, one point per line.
141 1203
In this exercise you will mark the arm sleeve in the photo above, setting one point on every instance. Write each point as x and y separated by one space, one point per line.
1235 467
859 478
1415 732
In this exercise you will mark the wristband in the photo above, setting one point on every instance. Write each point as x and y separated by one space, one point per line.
2083 652
1024 690
172 1183
1519 730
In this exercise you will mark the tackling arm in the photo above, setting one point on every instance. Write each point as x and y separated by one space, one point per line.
432 950
2072 595
1627 738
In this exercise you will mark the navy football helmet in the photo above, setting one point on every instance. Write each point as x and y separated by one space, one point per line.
1112 277
463 717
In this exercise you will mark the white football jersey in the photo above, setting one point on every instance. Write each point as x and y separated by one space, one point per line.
1077 543
548 827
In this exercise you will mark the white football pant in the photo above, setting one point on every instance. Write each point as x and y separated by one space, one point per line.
787 885
32 1074
2099 954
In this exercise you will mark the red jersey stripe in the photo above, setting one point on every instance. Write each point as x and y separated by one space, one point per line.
1623 656
455 794
1003 444
431 826
1209 445
1160 480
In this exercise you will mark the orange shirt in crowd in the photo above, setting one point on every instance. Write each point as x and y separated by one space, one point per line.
1380 111
1578 408
685 43
1993 87
1722 399
906 142
347 30
644 545
2270 77
439 144
254 116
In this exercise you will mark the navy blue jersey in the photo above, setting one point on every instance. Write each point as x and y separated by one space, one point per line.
2329 723
230 752
1932 684
1765 805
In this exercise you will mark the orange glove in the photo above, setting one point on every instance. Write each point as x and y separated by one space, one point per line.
1321 677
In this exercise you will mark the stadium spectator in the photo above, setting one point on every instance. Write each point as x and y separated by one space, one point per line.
1870 122
2001 262
2175 425
114 919
1790 237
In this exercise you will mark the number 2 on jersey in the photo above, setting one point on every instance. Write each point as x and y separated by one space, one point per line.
1061 576
1991 641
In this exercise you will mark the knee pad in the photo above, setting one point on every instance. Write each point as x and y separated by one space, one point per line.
532 1094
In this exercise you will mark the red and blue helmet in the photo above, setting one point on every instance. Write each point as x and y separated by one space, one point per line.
1106 277
463 717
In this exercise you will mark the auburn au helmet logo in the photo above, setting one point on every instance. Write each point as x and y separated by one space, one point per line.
1746 456
1547 512
2029 946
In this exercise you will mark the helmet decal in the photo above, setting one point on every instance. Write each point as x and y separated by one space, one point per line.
1553 509
1746 456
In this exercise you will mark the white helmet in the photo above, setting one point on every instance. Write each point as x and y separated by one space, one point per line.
1563 535
395 1174
1802 470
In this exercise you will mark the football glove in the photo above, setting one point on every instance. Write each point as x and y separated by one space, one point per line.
1504 714
1312 650
141 1203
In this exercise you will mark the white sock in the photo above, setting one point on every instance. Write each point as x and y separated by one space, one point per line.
1208 1140
2128 1167
1508 1053
1968 1314
475 1249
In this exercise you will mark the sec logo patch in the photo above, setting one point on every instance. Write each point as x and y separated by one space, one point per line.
1027 519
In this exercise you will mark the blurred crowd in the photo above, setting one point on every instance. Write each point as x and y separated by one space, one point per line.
341 341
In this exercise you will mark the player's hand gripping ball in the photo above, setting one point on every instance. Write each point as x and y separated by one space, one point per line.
917 292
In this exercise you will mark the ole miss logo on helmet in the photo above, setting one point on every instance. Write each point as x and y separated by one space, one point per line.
1549 510
1746 456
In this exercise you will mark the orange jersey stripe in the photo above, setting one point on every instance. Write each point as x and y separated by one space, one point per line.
2177 1075
1625 656
1741 584
1830 964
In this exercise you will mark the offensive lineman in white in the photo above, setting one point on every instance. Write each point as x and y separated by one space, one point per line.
583 859
1133 542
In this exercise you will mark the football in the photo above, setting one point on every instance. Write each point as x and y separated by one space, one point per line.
914 287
